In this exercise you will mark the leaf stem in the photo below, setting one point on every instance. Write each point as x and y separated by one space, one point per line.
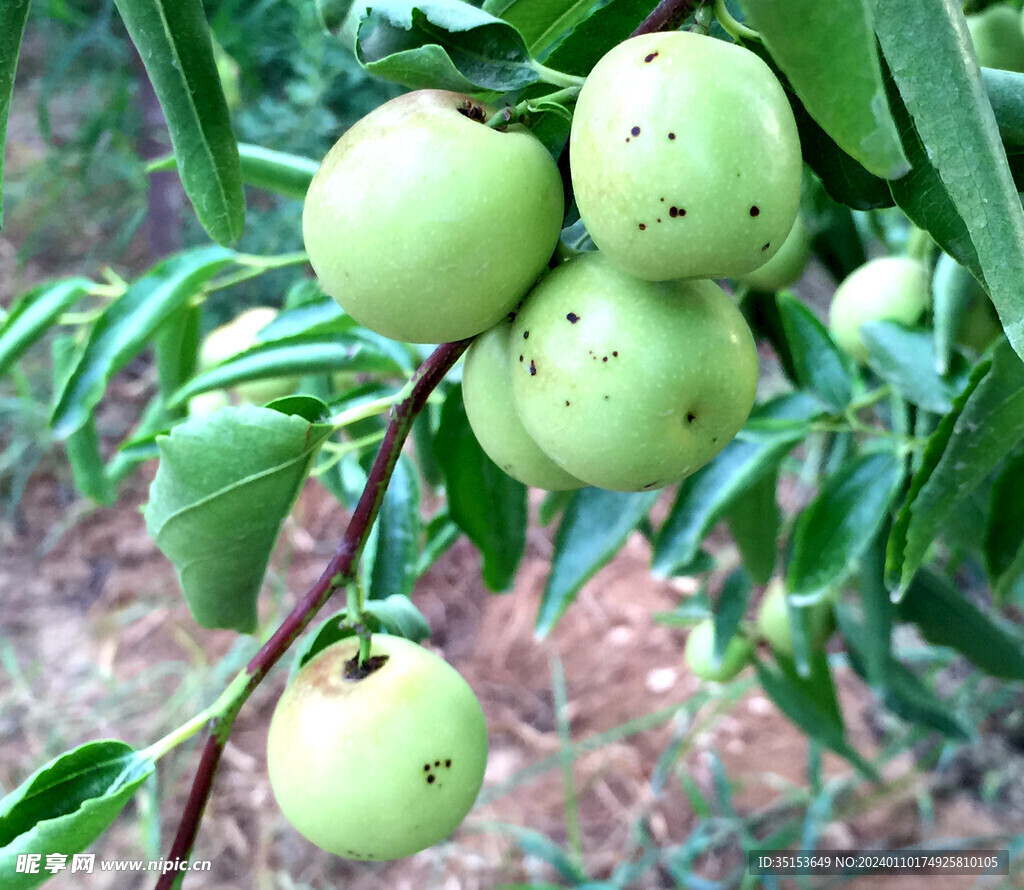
557 78
736 30
254 266
339 572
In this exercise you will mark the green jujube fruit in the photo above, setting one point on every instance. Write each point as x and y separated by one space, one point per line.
699 649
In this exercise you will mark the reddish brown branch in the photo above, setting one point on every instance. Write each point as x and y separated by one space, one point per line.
666 16
338 573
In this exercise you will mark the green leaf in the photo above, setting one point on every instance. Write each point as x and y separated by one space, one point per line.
754 521
174 42
729 612
485 502
225 484
541 22
820 366
907 359
82 447
66 804
705 497
834 530
944 95
396 614
953 291
126 326
878 610
322 315
595 525
1004 532
13 15
276 171
986 422
603 28
828 53
33 315
946 617
811 703
396 549
1005 91
443 44
287 358
900 690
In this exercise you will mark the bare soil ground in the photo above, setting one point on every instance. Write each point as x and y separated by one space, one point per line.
96 642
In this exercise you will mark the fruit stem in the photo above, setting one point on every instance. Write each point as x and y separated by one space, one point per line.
557 78
736 30
339 572
514 113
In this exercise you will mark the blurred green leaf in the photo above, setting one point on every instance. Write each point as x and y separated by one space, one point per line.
705 497
820 366
946 617
225 484
828 53
34 314
173 40
953 290
396 548
595 525
907 359
1005 91
986 422
754 521
1004 528
811 703
66 804
13 15
729 612
126 326
485 502
443 44
276 171
833 531
952 117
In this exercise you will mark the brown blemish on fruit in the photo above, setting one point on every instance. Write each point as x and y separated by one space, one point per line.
650 57
642 227
605 359
615 353
353 670
676 211
473 111
572 317
662 200
567 403
533 368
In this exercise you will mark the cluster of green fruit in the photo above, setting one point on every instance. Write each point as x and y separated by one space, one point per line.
625 368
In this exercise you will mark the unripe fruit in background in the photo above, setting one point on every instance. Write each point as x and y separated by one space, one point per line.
487 395
428 226
697 654
787 266
889 289
629 384
997 37
685 158
382 766
237 336
773 620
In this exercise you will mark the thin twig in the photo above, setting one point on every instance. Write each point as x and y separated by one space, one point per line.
339 571
666 16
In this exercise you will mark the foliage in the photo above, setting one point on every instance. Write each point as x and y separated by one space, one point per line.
905 151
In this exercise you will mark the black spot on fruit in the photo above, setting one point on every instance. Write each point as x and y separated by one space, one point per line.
604 359
615 353
520 358
642 227
431 779
526 335
426 767
627 139
573 317
671 136
755 211
635 131
766 245
650 57
533 368
659 219
676 211
690 417
606 398
567 403
650 485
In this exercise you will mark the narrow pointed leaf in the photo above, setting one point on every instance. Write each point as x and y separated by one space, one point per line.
595 526
729 612
828 53
225 484
485 502
173 39
835 529
818 362
986 422
946 100
126 326
397 551
443 44
946 617
1004 533
706 497
907 359
754 521
13 15
34 314
66 804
